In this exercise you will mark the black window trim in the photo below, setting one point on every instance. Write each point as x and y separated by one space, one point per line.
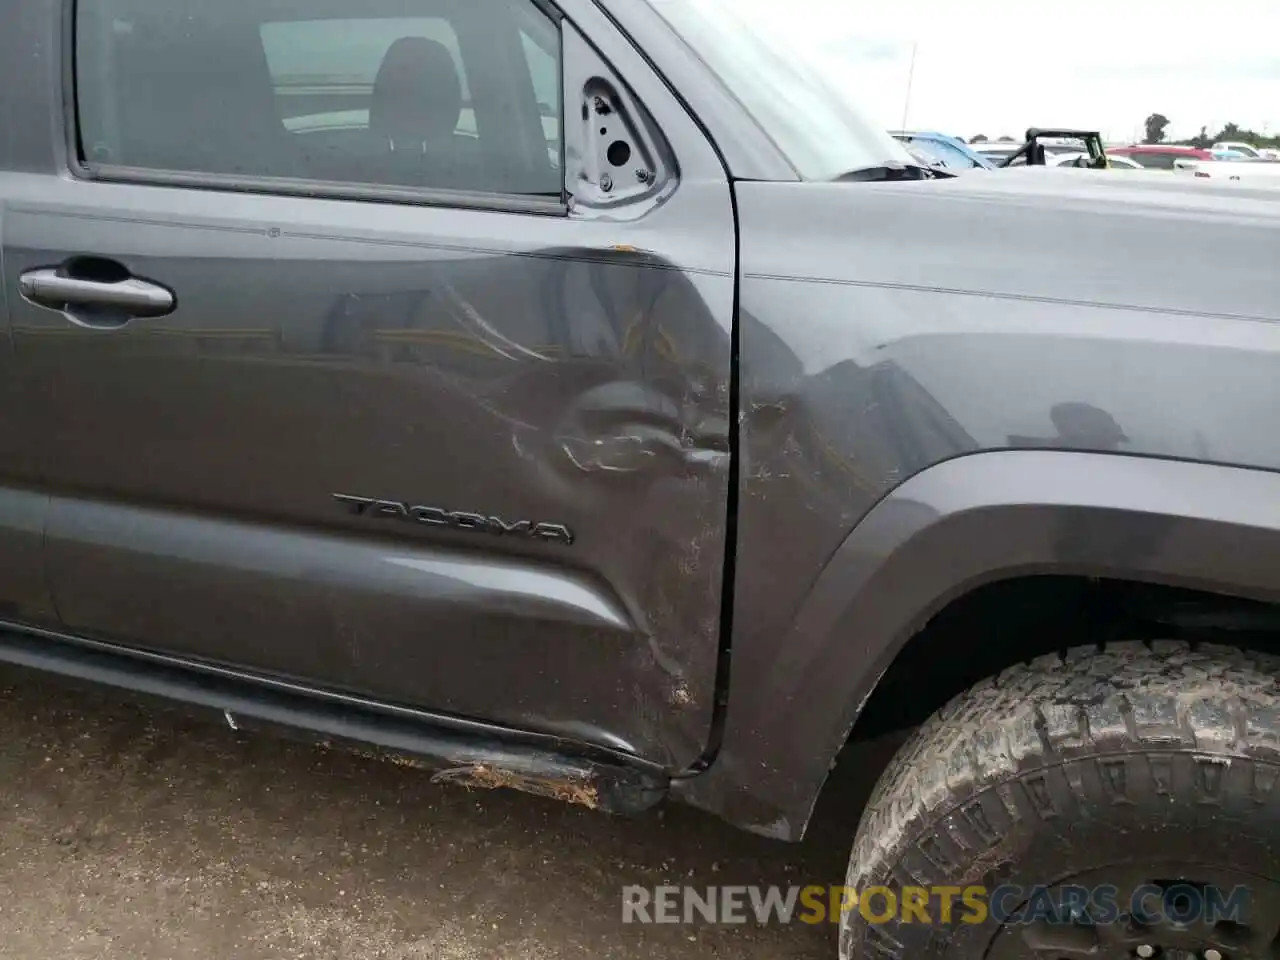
83 169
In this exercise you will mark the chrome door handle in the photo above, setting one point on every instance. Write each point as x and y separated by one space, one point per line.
93 302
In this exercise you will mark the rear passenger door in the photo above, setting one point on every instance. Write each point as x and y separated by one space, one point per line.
347 386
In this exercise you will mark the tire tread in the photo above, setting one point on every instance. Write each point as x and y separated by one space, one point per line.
1003 748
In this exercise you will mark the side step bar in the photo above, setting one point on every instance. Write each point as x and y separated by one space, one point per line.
459 751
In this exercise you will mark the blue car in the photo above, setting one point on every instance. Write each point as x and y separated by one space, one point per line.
951 152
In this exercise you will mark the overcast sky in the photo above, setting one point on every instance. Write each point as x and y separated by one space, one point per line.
998 66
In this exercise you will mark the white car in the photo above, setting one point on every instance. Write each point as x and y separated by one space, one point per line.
1070 160
1248 150
1124 163
1233 171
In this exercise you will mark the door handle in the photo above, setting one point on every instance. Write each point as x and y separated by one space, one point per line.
100 294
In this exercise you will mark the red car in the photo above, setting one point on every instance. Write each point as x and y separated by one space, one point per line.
1159 156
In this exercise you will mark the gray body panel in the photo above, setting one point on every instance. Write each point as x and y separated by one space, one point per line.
886 329
528 366
939 383
954 527
24 505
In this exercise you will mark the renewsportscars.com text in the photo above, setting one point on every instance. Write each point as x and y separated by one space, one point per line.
1102 905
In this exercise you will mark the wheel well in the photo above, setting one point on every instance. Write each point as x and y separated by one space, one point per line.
1012 621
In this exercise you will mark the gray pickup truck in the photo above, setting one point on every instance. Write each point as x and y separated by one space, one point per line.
581 396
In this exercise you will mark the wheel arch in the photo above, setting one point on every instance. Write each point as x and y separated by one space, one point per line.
945 532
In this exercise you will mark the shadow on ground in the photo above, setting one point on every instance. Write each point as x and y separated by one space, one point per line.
132 831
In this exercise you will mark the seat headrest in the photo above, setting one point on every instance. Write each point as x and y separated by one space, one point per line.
417 95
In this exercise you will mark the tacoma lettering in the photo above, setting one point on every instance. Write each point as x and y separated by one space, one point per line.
458 520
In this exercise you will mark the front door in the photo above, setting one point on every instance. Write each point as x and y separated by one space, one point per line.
25 598
346 387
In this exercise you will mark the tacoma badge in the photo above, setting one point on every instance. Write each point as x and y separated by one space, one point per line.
473 522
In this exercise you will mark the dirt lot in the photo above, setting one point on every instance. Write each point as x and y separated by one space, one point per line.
131 832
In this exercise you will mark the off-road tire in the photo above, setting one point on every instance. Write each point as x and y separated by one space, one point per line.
1071 765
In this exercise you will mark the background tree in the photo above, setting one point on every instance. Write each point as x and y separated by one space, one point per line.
980 138
1007 140
1156 125
1232 131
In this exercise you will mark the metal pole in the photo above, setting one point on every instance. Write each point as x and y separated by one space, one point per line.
906 107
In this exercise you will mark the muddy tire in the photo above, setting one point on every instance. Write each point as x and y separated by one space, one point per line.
1134 768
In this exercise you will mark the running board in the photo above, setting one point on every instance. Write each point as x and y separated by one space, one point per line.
459 751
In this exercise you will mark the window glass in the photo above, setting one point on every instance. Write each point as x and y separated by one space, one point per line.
923 156
1157 161
334 63
544 69
947 153
464 96
543 57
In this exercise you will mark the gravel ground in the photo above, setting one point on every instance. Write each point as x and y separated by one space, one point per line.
133 832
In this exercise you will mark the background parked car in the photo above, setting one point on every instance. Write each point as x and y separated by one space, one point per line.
926 159
1071 160
1054 147
1159 156
952 152
995 151
1235 146
1256 172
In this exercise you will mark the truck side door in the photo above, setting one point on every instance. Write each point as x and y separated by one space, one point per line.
388 349
25 598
